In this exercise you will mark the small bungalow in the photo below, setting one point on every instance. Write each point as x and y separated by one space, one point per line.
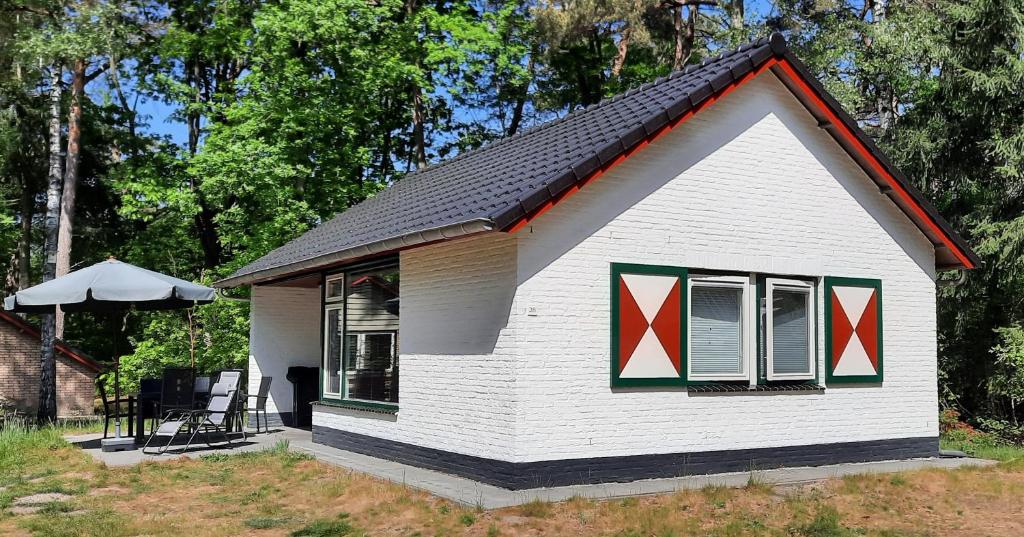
19 371
716 271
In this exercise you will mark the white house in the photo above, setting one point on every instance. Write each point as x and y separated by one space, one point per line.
717 271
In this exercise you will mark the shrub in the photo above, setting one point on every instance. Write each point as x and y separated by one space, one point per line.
824 524
325 528
535 508
263 523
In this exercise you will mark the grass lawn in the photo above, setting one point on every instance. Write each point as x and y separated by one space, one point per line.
278 493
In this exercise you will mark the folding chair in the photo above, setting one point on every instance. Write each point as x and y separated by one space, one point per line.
214 418
261 402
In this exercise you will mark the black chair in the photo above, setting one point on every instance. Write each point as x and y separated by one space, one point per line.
177 389
114 409
201 392
147 406
261 402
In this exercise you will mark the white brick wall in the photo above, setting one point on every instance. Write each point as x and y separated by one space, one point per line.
456 369
284 331
750 184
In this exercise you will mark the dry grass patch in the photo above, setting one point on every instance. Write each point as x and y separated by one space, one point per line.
278 493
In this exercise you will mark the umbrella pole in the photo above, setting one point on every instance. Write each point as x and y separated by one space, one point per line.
117 384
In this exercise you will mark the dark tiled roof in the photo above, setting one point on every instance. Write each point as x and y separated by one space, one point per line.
497 184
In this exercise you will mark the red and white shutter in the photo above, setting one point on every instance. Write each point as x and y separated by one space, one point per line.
853 329
648 337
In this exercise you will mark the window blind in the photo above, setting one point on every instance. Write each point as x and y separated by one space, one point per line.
789 332
716 330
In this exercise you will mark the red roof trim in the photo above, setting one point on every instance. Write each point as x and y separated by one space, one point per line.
800 83
875 165
27 328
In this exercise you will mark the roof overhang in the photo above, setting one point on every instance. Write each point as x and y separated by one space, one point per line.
951 251
362 252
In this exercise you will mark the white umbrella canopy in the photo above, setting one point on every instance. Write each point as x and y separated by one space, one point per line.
110 285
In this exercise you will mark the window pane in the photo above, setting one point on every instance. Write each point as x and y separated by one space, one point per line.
332 361
334 287
371 334
716 344
790 352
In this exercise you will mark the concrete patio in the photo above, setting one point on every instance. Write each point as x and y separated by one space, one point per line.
473 493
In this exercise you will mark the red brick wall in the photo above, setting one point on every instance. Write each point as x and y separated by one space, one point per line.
19 376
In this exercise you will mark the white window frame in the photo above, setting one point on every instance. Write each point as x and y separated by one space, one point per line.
735 282
798 285
327 284
338 305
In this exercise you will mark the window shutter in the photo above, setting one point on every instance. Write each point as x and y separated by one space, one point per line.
853 330
648 324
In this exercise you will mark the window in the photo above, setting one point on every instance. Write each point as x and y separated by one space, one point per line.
361 311
788 325
719 336
730 331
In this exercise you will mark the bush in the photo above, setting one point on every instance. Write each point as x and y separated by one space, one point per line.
1008 432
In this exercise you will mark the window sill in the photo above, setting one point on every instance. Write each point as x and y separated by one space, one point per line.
736 388
376 408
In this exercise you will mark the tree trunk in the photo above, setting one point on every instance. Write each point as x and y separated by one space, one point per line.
65 233
419 149
736 14
25 232
684 33
523 93
621 50
47 409
677 26
208 237
885 100
418 137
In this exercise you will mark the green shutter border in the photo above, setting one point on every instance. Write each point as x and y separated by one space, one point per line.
617 270
836 281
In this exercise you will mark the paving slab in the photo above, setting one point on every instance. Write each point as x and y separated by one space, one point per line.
473 493
90 443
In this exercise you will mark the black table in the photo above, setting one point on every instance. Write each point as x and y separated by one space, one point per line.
145 401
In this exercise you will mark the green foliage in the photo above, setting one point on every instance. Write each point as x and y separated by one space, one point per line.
265 523
824 524
211 338
326 528
99 523
1007 378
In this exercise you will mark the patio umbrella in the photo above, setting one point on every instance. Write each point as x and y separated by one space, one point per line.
110 286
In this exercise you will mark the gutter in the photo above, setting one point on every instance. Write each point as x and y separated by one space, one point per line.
402 242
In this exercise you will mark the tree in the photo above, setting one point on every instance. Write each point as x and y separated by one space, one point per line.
47 409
